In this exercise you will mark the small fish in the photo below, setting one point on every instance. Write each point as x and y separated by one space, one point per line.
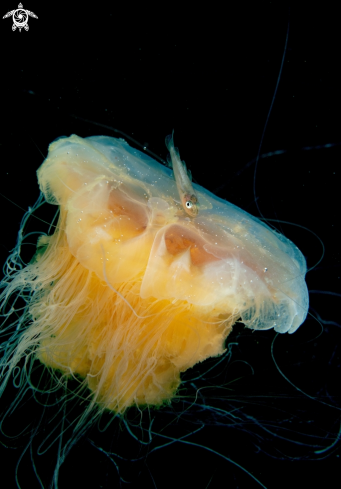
187 195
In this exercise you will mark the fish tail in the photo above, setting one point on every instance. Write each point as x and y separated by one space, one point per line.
169 141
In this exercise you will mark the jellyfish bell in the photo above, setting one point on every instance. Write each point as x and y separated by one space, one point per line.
129 291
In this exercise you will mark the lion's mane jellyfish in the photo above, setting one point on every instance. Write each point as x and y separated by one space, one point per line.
129 291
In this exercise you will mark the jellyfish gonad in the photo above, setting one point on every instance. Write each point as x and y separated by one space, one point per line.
130 291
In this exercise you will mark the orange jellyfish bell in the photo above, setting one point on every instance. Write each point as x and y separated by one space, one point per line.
130 291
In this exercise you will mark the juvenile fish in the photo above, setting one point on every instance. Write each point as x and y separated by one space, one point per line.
187 194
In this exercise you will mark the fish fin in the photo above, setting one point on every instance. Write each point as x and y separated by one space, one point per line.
189 173
169 161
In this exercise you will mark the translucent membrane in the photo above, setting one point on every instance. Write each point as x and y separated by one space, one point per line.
129 291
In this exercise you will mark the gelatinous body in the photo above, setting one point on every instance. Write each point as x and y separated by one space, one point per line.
129 291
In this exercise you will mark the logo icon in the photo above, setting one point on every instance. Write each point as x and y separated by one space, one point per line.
20 18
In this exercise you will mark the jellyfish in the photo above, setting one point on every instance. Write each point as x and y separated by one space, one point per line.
129 291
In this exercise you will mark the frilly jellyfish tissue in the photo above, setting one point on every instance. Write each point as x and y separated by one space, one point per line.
129 291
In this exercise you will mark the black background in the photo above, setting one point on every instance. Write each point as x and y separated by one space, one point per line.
210 75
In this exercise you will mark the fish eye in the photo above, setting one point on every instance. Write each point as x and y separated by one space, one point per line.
189 204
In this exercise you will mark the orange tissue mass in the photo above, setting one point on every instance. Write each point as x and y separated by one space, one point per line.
130 291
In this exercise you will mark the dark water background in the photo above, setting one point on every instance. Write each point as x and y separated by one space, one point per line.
211 76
